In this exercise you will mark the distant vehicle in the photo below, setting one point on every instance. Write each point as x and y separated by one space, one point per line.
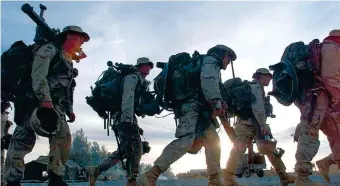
256 165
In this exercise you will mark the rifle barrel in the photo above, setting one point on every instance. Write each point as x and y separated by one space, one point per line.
28 9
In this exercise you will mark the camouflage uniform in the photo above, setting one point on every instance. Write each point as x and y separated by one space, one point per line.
52 74
4 119
246 131
189 139
319 112
127 129
5 125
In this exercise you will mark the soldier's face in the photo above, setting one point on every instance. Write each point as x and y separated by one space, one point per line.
76 40
265 79
145 69
226 61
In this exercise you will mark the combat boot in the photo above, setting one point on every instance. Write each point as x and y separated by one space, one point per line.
286 179
323 166
94 172
56 180
214 180
303 180
228 180
132 183
150 177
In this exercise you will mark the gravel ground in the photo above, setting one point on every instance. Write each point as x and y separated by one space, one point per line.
265 181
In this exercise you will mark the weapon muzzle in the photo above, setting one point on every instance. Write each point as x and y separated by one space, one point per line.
28 9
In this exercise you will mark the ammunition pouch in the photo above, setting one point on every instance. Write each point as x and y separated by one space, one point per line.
146 147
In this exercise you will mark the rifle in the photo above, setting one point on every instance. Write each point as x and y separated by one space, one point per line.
44 33
225 122
228 129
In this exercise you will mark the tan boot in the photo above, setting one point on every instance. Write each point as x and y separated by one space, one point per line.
94 172
214 180
323 166
150 177
303 180
228 180
286 179
132 183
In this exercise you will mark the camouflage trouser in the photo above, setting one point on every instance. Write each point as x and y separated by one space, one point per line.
111 160
131 149
22 143
245 133
187 140
324 119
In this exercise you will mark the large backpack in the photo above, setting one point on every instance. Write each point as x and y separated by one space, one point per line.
238 96
179 79
107 94
297 71
16 66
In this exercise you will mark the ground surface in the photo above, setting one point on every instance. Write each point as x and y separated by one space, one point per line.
265 181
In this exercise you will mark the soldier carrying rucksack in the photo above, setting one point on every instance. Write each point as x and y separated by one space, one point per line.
43 107
127 90
191 86
251 125
309 77
5 136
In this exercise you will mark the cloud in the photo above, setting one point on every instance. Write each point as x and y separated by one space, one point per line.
125 31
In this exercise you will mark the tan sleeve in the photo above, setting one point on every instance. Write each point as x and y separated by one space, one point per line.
39 72
128 97
211 79
258 106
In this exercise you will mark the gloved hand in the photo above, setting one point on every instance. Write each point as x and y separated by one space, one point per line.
72 117
219 107
47 104
265 130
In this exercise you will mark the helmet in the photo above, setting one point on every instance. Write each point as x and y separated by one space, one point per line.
75 29
263 71
335 32
266 146
222 48
45 121
144 60
285 82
